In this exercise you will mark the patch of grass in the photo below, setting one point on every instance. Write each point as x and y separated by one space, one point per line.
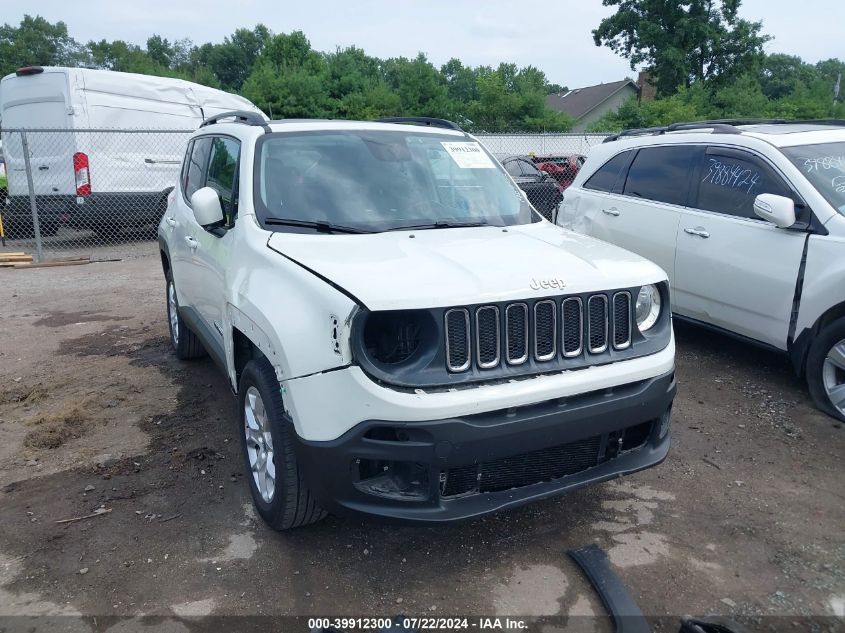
57 427
3 182
25 395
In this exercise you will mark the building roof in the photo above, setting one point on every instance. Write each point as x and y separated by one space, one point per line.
576 103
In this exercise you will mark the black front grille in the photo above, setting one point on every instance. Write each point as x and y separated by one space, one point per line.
516 317
597 323
621 320
545 326
522 470
573 326
457 339
487 333
493 336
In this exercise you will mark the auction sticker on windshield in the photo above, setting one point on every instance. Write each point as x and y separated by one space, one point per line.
468 155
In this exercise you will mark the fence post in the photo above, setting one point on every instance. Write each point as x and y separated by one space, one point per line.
32 204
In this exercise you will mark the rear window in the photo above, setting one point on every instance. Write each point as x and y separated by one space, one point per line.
662 174
607 176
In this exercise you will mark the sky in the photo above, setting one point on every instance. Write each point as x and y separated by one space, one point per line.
554 36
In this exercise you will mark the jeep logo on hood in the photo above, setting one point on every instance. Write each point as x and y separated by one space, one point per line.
545 284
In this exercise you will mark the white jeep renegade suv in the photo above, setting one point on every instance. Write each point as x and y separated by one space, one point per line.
406 336
747 220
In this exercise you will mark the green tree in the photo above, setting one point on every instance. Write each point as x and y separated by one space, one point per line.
232 61
160 51
421 88
684 41
36 42
781 74
289 79
461 81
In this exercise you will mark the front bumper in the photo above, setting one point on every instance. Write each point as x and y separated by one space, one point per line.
463 467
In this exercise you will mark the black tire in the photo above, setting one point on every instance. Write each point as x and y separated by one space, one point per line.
186 345
832 334
291 504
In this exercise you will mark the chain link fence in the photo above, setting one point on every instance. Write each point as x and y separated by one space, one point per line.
85 191
101 192
543 165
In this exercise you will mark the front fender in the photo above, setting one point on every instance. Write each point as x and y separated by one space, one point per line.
297 320
823 275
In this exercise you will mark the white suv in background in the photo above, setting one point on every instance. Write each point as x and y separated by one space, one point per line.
407 337
748 221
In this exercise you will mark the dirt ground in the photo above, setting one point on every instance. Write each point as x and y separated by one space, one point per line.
744 519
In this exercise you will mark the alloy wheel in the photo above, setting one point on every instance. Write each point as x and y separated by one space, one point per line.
173 313
833 376
259 443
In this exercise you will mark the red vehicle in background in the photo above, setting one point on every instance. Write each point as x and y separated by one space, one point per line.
562 167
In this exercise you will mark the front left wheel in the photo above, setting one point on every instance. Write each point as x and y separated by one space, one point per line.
279 492
826 370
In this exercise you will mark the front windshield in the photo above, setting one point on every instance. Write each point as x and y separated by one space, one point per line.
824 167
383 180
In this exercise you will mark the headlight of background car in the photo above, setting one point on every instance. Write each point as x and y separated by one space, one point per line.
648 307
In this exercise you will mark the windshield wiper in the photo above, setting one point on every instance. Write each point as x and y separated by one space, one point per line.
441 224
321 227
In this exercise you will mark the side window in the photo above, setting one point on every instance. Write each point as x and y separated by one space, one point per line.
730 180
662 173
512 168
195 178
607 176
186 163
223 174
528 169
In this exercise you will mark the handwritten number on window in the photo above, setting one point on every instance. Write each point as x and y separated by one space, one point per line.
732 176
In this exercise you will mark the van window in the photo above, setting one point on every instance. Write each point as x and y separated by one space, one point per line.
662 173
607 176
197 166
730 181
222 174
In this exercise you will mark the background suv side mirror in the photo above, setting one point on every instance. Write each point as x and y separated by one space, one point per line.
778 210
206 206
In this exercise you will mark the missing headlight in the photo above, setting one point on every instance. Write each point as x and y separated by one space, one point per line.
396 336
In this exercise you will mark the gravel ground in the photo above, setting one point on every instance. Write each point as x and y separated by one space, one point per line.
744 519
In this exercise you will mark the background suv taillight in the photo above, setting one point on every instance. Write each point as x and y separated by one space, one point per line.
81 174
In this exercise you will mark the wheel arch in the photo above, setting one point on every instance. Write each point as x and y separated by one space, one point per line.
800 348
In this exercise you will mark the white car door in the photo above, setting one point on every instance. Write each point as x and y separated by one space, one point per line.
212 246
733 269
179 221
639 207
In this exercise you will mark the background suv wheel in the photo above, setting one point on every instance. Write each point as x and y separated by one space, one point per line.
826 370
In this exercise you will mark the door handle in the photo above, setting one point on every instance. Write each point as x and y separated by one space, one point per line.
611 211
170 221
192 243
699 231
43 168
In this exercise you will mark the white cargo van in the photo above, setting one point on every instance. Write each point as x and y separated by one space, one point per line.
91 179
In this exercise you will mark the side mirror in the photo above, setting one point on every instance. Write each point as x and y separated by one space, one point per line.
778 210
206 205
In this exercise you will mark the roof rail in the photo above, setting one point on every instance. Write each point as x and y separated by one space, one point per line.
422 120
718 126
239 116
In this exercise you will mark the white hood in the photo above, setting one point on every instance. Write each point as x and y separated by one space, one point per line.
463 266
